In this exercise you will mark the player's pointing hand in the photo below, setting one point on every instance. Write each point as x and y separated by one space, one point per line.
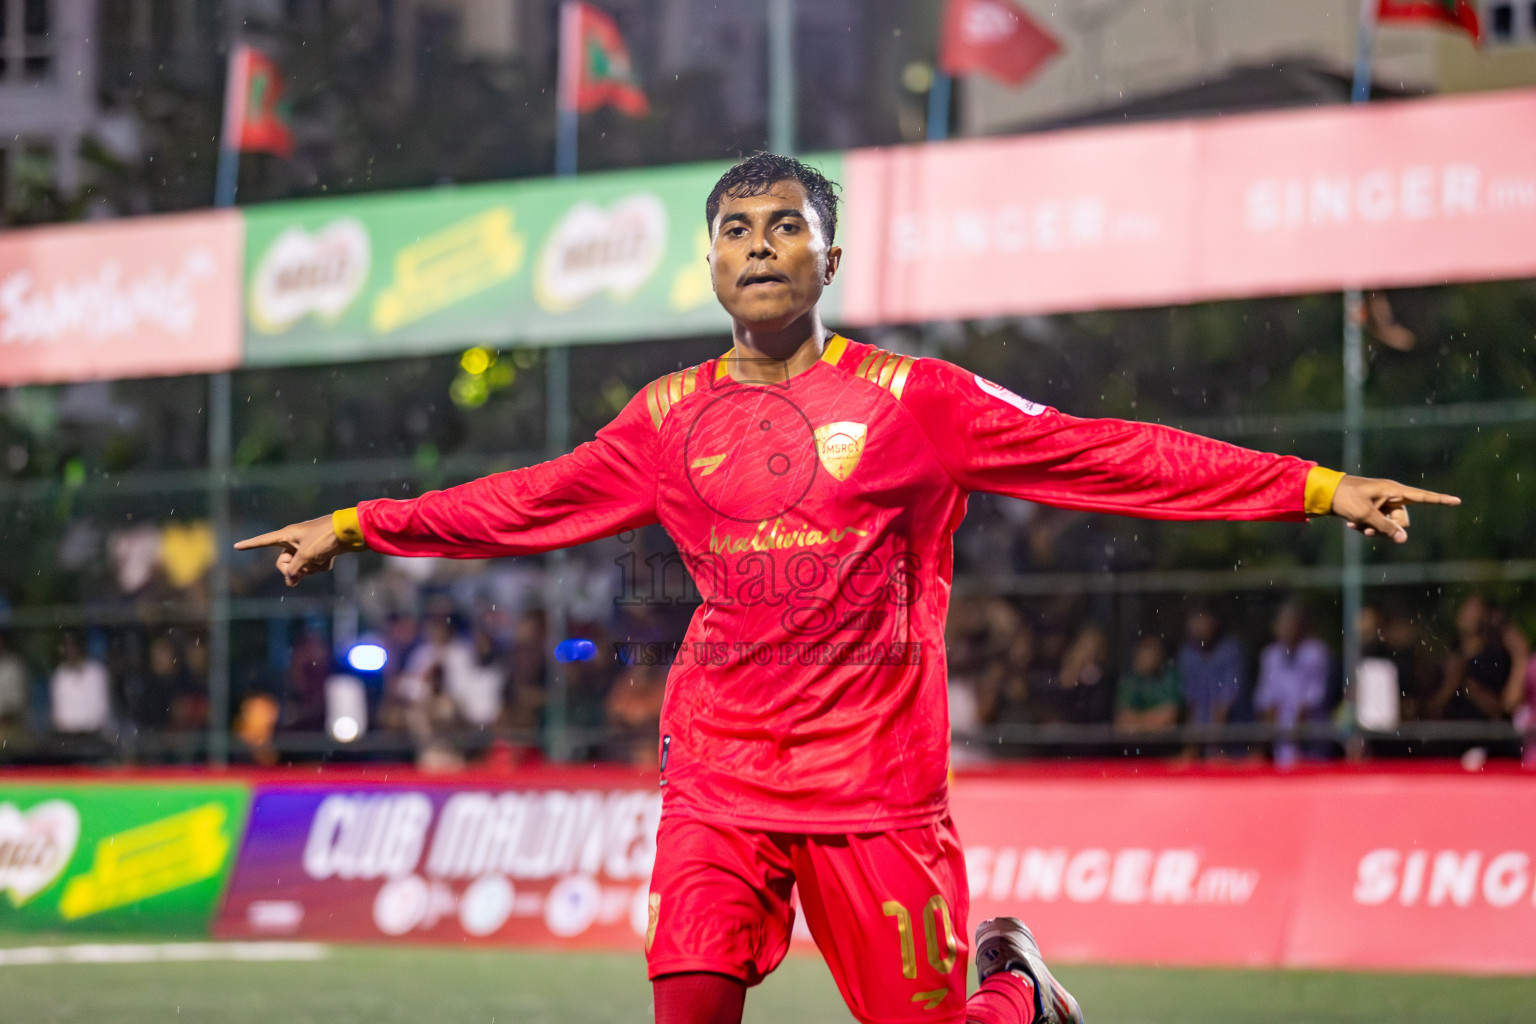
1375 506
308 547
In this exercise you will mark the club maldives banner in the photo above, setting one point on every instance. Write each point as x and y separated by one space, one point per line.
131 298
144 857
1317 870
1410 193
562 862
606 257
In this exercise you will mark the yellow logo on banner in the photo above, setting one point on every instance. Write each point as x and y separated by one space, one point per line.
840 446
149 860
691 286
449 266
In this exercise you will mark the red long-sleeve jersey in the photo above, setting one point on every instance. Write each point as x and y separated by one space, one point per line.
816 515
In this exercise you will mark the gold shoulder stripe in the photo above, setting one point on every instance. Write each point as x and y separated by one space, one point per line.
652 405
886 370
674 387
899 380
834 349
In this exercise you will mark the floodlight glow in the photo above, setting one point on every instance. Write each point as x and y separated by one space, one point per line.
367 658
345 729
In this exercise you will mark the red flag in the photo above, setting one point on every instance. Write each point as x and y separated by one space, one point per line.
595 69
1459 14
993 37
255 116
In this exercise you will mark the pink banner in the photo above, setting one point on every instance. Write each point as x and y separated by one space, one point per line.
129 298
1408 871
1076 220
1409 193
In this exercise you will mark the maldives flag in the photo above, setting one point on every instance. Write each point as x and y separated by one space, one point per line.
256 116
993 37
595 69
1460 14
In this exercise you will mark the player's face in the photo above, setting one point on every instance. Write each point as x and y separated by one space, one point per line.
770 260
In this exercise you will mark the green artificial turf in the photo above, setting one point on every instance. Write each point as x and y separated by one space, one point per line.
433 985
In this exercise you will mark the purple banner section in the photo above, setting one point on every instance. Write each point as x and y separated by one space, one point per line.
563 862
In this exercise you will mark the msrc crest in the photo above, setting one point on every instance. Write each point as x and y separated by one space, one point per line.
839 447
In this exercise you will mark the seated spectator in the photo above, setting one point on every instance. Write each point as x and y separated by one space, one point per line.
1485 676
1083 689
79 691
479 687
1525 716
634 715
1210 667
1147 698
528 668
1378 689
15 691
309 666
1293 678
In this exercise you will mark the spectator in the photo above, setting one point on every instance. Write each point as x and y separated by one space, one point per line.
634 714
528 668
1485 675
1147 698
79 691
14 689
1525 716
1210 666
309 666
1083 689
478 686
1293 678
1378 688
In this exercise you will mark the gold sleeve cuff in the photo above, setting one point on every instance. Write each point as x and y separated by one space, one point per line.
1321 485
349 529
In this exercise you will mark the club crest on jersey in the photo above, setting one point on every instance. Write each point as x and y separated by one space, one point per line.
839 447
1024 405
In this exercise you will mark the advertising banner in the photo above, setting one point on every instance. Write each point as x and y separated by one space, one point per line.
1326 870
1371 871
1067 220
603 257
144 857
133 298
1409 193
565 862
1152 871
1439 874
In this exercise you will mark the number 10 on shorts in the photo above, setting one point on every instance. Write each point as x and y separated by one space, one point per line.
938 932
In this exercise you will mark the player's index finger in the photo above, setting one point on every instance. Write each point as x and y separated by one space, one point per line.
266 540
1424 497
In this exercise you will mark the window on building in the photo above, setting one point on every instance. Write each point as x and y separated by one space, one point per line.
1502 21
26 40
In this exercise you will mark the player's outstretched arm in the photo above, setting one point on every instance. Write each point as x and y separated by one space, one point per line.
306 548
1377 506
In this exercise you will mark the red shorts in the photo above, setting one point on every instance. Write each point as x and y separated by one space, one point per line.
887 909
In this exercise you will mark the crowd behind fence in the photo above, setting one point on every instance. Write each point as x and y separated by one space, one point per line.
449 665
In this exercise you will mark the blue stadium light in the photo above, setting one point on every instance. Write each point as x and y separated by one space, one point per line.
367 657
575 650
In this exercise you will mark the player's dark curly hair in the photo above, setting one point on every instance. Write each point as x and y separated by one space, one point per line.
759 172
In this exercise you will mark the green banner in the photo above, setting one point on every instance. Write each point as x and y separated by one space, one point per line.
143 858
596 258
